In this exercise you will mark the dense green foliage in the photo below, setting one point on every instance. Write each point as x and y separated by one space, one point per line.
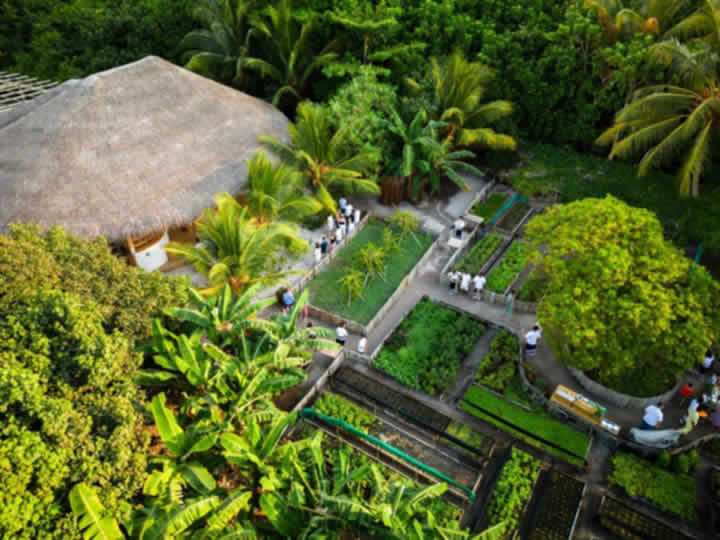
672 492
513 490
127 298
511 264
622 304
425 351
338 407
532 288
490 206
325 289
536 421
480 253
68 411
497 367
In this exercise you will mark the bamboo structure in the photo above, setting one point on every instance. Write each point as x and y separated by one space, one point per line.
16 88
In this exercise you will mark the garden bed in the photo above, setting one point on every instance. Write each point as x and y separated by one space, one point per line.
326 292
497 368
671 492
509 267
629 524
513 491
533 288
426 349
554 507
490 206
480 253
536 423
513 216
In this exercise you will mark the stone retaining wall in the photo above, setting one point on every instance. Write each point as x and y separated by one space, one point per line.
616 398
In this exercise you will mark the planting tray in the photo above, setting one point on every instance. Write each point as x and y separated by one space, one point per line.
627 523
554 507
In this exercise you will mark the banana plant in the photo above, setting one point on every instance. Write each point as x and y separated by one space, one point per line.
221 317
93 520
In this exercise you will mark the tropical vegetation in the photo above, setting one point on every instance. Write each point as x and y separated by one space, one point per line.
611 273
509 267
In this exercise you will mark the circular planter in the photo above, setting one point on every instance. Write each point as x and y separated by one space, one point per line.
616 398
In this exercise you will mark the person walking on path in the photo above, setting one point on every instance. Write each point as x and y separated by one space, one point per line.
653 416
453 282
509 305
317 252
357 216
331 224
324 246
332 242
478 285
362 344
339 232
341 334
708 361
531 340
465 282
686 391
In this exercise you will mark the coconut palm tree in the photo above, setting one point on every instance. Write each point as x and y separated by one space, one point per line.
670 124
238 250
459 87
291 56
277 192
318 150
219 50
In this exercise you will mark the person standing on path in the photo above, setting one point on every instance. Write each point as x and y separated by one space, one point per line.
708 361
341 334
531 340
465 282
332 242
357 216
653 417
324 246
331 224
453 281
362 344
317 252
509 305
478 285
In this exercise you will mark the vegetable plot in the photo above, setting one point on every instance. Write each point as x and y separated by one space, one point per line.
510 266
497 368
333 405
629 524
513 216
555 512
513 490
425 351
480 253
490 206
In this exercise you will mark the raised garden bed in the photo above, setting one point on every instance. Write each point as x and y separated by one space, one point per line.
573 444
533 288
627 523
671 492
339 407
554 507
512 491
326 292
497 367
480 253
511 264
513 216
471 437
426 350
490 206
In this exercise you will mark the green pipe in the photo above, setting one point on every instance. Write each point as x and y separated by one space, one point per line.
504 208
309 412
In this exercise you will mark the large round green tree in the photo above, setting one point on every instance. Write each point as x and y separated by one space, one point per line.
623 305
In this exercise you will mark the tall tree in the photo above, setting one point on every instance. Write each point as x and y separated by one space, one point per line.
277 192
319 151
457 96
219 50
670 124
238 250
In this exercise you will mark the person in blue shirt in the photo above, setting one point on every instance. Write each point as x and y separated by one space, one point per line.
342 203
288 299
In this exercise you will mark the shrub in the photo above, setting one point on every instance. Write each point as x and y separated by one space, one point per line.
126 297
68 411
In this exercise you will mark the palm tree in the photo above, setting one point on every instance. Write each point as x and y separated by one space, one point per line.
667 123
292 55
220 49
237 249
319 151
276 192
459 87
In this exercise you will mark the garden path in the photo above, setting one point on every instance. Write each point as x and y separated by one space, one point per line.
466 373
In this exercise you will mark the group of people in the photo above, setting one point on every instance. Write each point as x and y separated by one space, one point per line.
339 227
463 282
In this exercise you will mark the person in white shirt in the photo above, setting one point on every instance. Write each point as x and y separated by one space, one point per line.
341 334
531 340
458 225
339 232
351 225
331 224
465 282
317 252
362 345
348 211
357 216
653 417
453 276
478 285
708 360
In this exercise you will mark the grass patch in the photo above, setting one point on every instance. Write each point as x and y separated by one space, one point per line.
425 351
325 290
672 492
480 253
490 206
537 421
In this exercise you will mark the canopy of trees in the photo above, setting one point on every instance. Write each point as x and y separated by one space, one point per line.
623 305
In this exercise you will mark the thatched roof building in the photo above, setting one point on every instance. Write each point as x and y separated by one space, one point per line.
136 149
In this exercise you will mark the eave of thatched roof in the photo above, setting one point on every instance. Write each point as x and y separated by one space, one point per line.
135 149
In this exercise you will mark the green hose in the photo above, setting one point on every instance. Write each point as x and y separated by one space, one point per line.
309 412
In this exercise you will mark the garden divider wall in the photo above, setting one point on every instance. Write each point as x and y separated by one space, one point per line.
617 398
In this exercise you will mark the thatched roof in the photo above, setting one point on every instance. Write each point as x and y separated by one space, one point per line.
132 150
